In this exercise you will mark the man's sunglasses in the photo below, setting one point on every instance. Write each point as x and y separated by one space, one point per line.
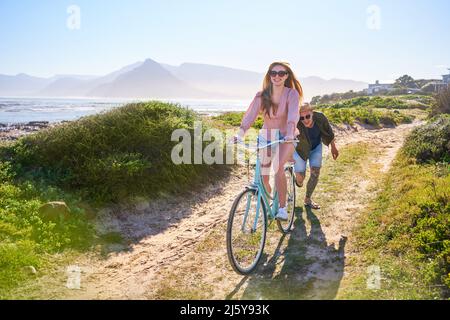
305 117
280 73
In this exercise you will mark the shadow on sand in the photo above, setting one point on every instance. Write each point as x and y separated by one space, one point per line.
123 226
306 268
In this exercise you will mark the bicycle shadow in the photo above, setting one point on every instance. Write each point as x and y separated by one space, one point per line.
307 267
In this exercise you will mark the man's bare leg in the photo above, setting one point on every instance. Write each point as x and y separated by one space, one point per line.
300 177
311 186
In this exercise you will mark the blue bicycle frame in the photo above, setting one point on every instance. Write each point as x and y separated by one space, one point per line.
258 185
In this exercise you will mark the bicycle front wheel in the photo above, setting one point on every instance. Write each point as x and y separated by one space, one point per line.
286 226
246 232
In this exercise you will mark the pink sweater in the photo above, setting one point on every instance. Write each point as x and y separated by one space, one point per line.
285 119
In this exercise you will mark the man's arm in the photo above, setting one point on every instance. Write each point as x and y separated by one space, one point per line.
334 150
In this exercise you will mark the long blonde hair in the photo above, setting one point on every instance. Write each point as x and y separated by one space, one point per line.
267 90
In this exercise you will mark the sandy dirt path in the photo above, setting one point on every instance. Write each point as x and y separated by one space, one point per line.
176 248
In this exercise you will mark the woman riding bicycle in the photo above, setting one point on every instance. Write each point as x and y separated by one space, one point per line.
279 101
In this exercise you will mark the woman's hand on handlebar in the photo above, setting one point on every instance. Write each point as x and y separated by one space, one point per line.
239 137
289 138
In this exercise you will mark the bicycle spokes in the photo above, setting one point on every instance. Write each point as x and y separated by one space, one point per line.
246 232
285 226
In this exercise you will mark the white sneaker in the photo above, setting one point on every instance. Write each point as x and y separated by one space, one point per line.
282 214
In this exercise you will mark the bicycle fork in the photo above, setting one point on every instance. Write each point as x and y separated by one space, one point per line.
247 210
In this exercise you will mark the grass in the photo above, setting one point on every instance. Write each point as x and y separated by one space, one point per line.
95 161
431 141
377 111
337 115
124 153
392 103
177 285
441 104
393 98
234 119
406 232
113 156
173 289
275 280
26 238
335 174
369 116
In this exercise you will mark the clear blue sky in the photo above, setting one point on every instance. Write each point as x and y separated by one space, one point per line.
328 38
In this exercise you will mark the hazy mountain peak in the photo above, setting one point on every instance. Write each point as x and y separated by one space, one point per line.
156 80
150 62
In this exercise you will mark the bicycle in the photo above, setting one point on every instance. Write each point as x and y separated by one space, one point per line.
246 229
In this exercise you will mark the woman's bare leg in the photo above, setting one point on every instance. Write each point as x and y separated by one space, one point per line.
267 184
265 168
284 153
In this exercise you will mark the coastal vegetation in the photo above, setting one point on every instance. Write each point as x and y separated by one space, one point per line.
111 157
123 154
375 111
406 229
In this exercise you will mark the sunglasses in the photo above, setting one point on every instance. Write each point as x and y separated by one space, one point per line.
279 73
305 117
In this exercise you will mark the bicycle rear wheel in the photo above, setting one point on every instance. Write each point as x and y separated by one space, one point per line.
245 239
286 226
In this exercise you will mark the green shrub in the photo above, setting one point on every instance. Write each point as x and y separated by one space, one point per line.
14 257
101 158
20 219
112 156
234 119
368 102
442 103
430 142
407 230
25 237
393 118
380 102
362 109
368 116
230 118
335 97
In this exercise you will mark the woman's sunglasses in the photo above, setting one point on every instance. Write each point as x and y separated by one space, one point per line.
280 73
305 117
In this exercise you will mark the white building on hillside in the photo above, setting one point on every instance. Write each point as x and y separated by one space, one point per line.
442 84
378 87
446 78
386 87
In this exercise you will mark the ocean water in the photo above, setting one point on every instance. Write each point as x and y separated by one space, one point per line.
22 110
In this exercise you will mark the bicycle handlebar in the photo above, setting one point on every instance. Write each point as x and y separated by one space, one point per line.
267 145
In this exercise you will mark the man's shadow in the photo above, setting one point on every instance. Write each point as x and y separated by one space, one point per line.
310 267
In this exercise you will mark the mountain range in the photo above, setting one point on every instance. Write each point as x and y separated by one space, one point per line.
150 79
